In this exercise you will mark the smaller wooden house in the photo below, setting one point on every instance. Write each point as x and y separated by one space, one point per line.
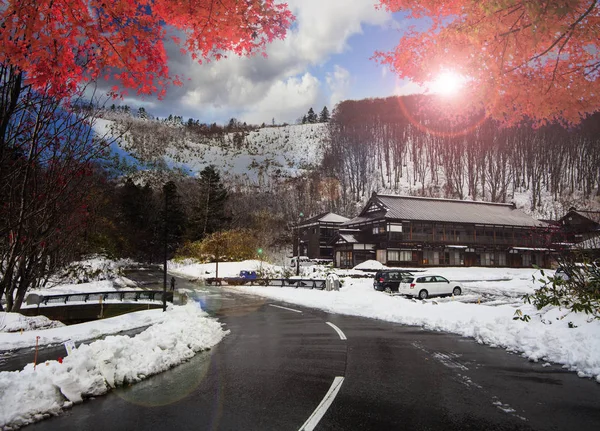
579 225
312 237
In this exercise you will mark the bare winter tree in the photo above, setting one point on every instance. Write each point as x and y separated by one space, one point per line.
47 153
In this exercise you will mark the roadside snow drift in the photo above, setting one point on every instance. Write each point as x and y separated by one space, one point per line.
31 394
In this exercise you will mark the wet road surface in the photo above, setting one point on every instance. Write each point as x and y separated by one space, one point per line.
274 369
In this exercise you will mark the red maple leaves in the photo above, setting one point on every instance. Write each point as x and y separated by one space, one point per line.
61 43
535 59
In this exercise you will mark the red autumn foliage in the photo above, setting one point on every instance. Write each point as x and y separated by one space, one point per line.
62 43
525 59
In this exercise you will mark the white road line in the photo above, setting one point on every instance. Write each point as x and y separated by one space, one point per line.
338 330
285 308
320 411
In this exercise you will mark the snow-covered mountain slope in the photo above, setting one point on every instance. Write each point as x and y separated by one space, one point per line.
252 155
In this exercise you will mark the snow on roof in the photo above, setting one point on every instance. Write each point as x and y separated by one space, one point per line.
333 218
349 238
411 208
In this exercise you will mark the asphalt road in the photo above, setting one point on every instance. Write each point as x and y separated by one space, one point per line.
276 366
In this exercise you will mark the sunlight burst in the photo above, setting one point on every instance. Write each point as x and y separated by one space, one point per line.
448 83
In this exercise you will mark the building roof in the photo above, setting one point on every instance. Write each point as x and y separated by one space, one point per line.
349 238
326 217
593 216
410 208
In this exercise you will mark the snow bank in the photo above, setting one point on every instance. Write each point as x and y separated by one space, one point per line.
15 322
82 331
369 264
29 395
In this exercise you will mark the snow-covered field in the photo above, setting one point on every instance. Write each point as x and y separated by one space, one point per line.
485 312
90 370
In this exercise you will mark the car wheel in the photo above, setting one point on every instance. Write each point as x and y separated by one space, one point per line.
456 291
423 294
387 289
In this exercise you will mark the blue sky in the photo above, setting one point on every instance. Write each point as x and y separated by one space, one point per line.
326 58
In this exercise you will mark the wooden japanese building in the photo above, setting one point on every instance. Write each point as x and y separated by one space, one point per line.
415 231
579 225
312 237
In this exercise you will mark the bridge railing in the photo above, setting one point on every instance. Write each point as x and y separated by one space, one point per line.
308 283
121 295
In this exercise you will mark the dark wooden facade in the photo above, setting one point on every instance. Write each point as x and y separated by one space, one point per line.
412 231
313 237
578 225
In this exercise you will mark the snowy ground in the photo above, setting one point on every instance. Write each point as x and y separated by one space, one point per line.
485 312
90 370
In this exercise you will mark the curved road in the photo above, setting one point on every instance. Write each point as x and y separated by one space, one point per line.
284 367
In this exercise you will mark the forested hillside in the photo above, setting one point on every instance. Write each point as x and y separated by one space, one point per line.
384 145
393 145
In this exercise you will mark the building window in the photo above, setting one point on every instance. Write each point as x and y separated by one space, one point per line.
486 259
400 255
431 257
346 259
501 258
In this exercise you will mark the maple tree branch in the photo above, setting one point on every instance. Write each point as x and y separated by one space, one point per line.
567 33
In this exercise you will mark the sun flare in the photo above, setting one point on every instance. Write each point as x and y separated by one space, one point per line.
448 83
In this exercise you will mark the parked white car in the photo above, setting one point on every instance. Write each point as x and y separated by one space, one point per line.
425 285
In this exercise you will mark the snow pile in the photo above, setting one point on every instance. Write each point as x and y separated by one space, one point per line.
15 322
369 265
65 289
190 268
29 395
95 268
82 331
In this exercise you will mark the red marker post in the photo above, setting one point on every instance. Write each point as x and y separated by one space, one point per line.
36 352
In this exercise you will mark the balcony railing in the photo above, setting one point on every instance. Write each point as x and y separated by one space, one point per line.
461 240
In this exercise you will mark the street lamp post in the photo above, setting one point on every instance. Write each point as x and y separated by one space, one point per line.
166 249
298 244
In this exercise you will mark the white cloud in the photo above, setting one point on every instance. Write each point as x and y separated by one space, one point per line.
405 87
285 100
254 89
339 84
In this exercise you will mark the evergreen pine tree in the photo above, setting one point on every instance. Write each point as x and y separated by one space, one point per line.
311 117
208 215
324 116
138 220
175 218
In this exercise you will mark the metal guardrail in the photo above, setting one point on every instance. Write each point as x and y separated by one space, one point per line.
276 282
122 295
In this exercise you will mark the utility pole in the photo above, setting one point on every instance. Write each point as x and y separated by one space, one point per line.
298 244
166 241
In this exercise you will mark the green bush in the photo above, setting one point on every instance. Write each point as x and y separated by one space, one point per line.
579 293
